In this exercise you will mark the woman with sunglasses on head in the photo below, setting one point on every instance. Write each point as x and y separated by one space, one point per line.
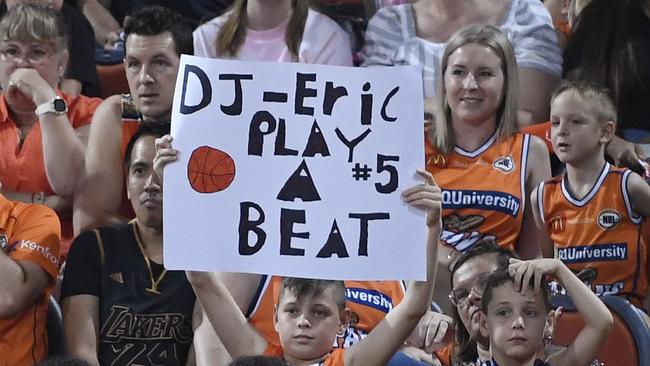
41 127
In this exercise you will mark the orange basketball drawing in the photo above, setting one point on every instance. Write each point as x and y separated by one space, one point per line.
210 170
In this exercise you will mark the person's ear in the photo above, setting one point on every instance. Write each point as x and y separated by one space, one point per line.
483 326
551 323
275 318
607 131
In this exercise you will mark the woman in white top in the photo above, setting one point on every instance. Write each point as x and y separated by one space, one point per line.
416 34
280 30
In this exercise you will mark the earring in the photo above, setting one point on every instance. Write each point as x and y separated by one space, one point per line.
548 339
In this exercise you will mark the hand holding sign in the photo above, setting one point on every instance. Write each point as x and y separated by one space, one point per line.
427 196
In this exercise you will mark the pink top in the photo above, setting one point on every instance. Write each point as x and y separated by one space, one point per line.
323 42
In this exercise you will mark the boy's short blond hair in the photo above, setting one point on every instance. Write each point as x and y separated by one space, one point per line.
597 97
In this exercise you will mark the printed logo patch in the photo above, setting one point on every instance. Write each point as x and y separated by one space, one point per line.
370 298
117 277
481 200
504 164
556 224
4 243
437 160
593 253
608 219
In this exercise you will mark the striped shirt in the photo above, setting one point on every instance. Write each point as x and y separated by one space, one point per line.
391 39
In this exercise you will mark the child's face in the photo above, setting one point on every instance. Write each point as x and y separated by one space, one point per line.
515 324
307 325
575 132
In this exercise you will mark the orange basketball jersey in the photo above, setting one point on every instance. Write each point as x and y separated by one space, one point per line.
483 191
368 301
598 237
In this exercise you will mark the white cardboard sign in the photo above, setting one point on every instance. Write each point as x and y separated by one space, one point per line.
295 170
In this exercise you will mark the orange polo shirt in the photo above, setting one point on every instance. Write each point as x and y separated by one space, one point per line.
28 233
22 168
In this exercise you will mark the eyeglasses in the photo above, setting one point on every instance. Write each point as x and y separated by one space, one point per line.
34 56
460 295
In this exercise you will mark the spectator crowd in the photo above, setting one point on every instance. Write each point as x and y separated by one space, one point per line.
545 103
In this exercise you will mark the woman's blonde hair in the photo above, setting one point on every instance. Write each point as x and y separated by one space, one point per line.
231 36
34 23
442 134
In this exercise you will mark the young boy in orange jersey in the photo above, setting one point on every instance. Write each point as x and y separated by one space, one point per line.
593 212
514 317
310 313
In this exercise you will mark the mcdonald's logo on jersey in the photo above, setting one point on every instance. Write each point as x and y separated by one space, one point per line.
437 160
557 224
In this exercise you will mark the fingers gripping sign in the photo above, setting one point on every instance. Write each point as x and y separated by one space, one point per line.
427 196
165 154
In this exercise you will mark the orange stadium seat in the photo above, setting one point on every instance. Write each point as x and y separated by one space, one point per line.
629 342
112 80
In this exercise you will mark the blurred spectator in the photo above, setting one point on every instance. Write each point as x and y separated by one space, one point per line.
107 15
610 46
286 30
155 38
43 131
81 75
416 34
29 264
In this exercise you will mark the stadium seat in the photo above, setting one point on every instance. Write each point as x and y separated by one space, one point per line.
112 80
629 342
55 337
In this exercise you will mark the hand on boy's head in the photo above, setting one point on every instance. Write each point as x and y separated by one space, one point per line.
427 196
523 271
164 154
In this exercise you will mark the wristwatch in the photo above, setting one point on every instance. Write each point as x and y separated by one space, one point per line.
56 105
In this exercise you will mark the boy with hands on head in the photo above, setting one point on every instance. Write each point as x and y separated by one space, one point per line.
514 318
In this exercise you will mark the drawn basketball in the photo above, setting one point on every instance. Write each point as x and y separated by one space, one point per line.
210 170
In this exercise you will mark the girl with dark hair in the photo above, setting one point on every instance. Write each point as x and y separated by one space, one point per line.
610 46
274 30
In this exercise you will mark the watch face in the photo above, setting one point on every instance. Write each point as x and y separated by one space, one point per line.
59 105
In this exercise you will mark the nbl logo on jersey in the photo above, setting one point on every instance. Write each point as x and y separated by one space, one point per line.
608 219
504 164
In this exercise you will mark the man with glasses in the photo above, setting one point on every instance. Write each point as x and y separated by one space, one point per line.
155 38
42 130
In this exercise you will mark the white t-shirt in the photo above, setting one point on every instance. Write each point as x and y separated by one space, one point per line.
323 42
391 39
